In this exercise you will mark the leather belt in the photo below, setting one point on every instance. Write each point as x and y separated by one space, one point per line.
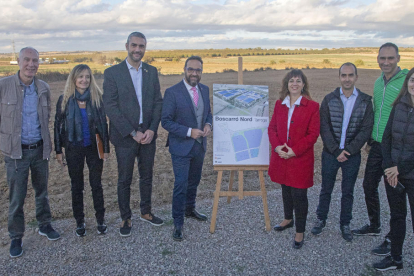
33 146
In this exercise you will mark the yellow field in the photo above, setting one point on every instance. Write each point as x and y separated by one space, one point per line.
363 59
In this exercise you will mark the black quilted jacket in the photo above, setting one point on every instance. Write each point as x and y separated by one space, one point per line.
359 127
398 140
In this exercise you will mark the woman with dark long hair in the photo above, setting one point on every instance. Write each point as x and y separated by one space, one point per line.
293 131
398 163
79 117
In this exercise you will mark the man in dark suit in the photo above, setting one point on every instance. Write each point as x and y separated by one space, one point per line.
133 103
186 115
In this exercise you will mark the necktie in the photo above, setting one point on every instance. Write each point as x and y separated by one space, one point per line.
195 96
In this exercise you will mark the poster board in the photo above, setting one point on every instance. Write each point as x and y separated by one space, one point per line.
241 119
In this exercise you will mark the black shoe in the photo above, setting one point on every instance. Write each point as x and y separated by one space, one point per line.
298 245
279 228
126 226
49 232
388 263
318 226
101 227
384 249
367 230
156 221
16 249
80 229
346 233
196 215
178 233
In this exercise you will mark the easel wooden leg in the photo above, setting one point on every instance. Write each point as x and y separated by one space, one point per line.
216 202
230 185
241 189
264 197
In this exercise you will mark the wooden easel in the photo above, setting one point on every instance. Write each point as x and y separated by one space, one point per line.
240 193
240 169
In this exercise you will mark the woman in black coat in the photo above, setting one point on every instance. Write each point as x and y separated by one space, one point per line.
79 117
398 163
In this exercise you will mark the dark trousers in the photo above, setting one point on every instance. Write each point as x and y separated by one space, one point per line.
126 161
372 178
330 167
295 199
187 172
17 178
75 156
398 208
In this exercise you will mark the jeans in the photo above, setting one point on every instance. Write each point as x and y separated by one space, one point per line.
126 159
295 199
187 172
330 167
17 178
372 178
75 156
398 208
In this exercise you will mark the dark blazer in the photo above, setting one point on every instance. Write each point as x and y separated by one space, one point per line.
121 103
178 115
359 128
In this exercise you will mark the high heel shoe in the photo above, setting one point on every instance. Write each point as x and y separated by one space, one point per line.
298 245
279 228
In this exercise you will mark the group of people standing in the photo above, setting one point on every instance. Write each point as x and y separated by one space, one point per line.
131 99
347 120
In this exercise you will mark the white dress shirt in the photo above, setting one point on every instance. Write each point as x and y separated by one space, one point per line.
348 107
286 102
136 76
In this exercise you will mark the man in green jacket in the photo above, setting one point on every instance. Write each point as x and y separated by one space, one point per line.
386 89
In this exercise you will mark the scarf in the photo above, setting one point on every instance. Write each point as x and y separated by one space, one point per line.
74 116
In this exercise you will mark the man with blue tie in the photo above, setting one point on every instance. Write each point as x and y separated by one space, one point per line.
186 115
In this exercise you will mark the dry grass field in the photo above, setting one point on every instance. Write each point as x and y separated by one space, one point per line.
322 81
217 61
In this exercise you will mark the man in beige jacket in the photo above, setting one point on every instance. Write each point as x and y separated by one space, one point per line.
26 145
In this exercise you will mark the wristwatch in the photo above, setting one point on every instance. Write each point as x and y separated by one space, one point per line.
133 133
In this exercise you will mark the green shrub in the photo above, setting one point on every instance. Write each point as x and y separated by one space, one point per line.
228 70
359 62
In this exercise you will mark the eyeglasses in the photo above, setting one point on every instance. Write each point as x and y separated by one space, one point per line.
192 70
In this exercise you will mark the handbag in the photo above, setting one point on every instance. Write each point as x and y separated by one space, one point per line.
99 146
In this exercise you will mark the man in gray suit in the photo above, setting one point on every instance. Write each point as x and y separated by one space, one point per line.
133 103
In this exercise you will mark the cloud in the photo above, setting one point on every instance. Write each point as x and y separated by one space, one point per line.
104 25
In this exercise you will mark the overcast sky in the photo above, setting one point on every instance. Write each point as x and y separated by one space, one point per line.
97 25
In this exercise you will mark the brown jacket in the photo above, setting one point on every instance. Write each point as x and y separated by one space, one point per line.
11 102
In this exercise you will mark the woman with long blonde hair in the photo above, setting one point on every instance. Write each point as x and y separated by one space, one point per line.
79 118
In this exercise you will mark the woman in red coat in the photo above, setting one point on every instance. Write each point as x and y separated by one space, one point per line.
293 131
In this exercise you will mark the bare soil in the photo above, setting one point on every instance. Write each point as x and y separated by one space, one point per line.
322 81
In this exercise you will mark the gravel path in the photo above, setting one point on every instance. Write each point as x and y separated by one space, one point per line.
240 245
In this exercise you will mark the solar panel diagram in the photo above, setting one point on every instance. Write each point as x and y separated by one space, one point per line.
241 118
240 100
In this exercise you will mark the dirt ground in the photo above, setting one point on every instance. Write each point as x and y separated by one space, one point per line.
322 81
